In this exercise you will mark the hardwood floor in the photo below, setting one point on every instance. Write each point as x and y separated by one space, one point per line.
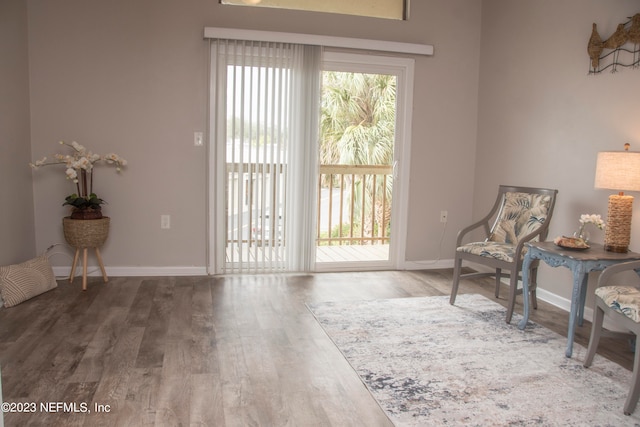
232 351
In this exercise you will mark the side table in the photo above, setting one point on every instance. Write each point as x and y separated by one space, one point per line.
84 234
580 262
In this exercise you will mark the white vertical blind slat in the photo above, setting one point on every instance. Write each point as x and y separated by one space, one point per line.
266 152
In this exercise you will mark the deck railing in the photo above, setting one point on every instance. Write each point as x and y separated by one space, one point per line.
353 204
363 211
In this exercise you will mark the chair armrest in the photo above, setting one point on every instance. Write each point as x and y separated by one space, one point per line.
483 222
528 238
608 272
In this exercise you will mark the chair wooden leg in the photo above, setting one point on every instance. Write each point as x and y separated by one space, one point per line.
498 277
457 266
513 290
634 390
594 339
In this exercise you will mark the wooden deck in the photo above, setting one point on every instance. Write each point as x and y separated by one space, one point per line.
352 253
324 254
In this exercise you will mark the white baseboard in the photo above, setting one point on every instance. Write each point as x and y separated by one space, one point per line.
558 301
94 270
427 265
543 295
565 304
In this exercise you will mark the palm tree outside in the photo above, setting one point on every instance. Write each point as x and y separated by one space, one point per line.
358 128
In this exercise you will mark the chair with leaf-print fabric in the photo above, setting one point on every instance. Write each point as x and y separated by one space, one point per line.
621 303
519 215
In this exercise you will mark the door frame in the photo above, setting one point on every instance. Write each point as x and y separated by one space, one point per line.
403 69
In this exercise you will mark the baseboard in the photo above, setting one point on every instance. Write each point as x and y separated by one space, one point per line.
436 264
565 304
94 270
561 302
542 294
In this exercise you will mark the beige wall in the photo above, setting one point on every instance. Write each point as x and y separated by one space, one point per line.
542 119
131 77
17 236
507 87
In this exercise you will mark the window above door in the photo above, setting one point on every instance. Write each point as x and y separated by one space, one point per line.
389 9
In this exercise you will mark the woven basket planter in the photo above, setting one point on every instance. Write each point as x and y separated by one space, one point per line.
86 233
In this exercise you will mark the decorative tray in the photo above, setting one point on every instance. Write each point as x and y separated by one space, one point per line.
572 243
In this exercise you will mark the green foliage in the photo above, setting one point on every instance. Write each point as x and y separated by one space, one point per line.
91 202
358 128
358 118
336 233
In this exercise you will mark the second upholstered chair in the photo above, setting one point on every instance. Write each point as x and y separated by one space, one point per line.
622 304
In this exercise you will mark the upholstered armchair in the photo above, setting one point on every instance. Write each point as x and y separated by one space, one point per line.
622 304
519 215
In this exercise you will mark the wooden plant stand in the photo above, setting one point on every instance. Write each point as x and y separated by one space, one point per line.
84 234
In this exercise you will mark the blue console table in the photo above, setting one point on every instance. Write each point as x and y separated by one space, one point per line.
580 262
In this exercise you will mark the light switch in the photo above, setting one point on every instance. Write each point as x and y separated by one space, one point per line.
198 139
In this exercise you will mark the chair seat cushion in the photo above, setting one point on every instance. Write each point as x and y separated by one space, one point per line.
502 251
623 299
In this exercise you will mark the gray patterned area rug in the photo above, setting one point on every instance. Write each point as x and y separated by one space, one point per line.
428 363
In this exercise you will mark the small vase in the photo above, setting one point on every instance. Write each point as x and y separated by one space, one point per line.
582 234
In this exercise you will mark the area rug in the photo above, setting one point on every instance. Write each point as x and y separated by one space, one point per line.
428 363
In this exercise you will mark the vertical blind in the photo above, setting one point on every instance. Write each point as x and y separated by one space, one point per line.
265 119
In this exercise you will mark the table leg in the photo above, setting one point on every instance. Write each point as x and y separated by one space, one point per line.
526 263
578 279
583 298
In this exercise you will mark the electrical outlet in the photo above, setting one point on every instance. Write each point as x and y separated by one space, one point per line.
165 222
443 216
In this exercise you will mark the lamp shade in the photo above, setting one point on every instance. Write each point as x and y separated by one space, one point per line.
618 170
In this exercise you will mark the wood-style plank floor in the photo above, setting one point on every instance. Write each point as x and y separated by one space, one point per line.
218 351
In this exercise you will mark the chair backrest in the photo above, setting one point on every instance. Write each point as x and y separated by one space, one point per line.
523 210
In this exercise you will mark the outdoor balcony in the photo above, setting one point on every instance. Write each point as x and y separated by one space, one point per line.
353 209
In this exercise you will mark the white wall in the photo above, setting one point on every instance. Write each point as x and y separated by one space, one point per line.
542 118
131 77
444 130
17 235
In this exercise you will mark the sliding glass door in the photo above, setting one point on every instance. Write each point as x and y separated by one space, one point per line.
281 190
361 166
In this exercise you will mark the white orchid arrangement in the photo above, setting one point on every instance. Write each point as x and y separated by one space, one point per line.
588 219
592 219
79 169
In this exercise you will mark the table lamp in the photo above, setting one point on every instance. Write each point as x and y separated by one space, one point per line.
618 170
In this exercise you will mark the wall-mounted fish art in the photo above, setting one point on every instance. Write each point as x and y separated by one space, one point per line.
622 48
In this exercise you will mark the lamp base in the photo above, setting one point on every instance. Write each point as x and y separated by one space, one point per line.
618 231
616 249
